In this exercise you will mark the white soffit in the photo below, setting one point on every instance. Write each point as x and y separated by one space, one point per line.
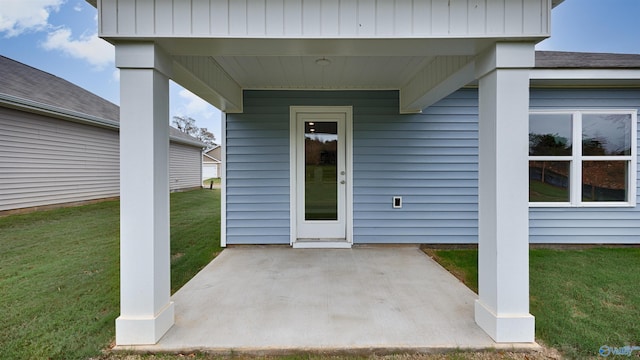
322 72
316 64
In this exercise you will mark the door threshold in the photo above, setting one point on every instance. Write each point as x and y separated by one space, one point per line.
321 244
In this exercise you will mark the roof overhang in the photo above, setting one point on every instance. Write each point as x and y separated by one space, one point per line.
422 49
213 160
34 107
39 108
585 78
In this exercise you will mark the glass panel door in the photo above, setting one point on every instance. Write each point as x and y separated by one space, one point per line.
321 176
321 170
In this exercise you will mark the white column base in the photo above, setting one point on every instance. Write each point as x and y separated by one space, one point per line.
144 331
505 329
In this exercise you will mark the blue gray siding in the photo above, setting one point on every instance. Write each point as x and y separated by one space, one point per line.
429 159
584 225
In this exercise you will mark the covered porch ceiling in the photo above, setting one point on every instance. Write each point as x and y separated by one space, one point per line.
425 49
422 70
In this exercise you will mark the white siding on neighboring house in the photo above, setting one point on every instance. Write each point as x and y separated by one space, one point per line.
211 163
210 170
184 166
46 161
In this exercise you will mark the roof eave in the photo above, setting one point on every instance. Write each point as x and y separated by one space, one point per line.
193 143
34 107
54 111
614 77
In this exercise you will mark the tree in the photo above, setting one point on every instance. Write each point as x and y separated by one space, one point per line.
548 145
188 126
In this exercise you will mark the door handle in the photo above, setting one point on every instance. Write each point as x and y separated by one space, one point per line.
342 181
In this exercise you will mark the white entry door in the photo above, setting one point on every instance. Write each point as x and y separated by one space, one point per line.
321 170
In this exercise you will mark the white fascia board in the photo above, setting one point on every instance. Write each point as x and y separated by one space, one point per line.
194 143
585 74
623 78
35 107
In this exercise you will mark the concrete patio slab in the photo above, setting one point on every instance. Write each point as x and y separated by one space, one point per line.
278 299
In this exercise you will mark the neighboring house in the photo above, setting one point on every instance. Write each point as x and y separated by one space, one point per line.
59 143
319 96
211 163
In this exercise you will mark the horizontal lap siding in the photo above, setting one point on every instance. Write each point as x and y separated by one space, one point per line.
430 160
257 171
585 225
46 161
185 164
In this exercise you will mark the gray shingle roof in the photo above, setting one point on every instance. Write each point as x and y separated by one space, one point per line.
578 60
28 83
176 134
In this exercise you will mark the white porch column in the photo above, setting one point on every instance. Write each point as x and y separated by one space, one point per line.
145 310
502 309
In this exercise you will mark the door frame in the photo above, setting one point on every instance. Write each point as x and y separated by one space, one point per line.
347 111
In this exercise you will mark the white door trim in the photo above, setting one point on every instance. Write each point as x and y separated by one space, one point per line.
293 186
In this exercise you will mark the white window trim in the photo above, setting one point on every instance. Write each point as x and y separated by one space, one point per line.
575 186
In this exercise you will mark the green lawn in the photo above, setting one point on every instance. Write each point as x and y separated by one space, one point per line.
59 275
321 192
582 299
215 181
59 281
542 192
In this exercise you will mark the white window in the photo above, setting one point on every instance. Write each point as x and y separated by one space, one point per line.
582 158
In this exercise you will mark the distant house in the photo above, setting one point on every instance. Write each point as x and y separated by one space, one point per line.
211 163
59 143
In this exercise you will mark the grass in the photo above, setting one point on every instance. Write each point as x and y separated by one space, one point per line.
542 192
59 282
59 275
582 299
215 181
321 192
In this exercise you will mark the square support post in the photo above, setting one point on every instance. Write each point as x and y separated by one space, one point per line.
146 312
502 309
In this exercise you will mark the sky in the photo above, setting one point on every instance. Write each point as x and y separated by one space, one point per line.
60 37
